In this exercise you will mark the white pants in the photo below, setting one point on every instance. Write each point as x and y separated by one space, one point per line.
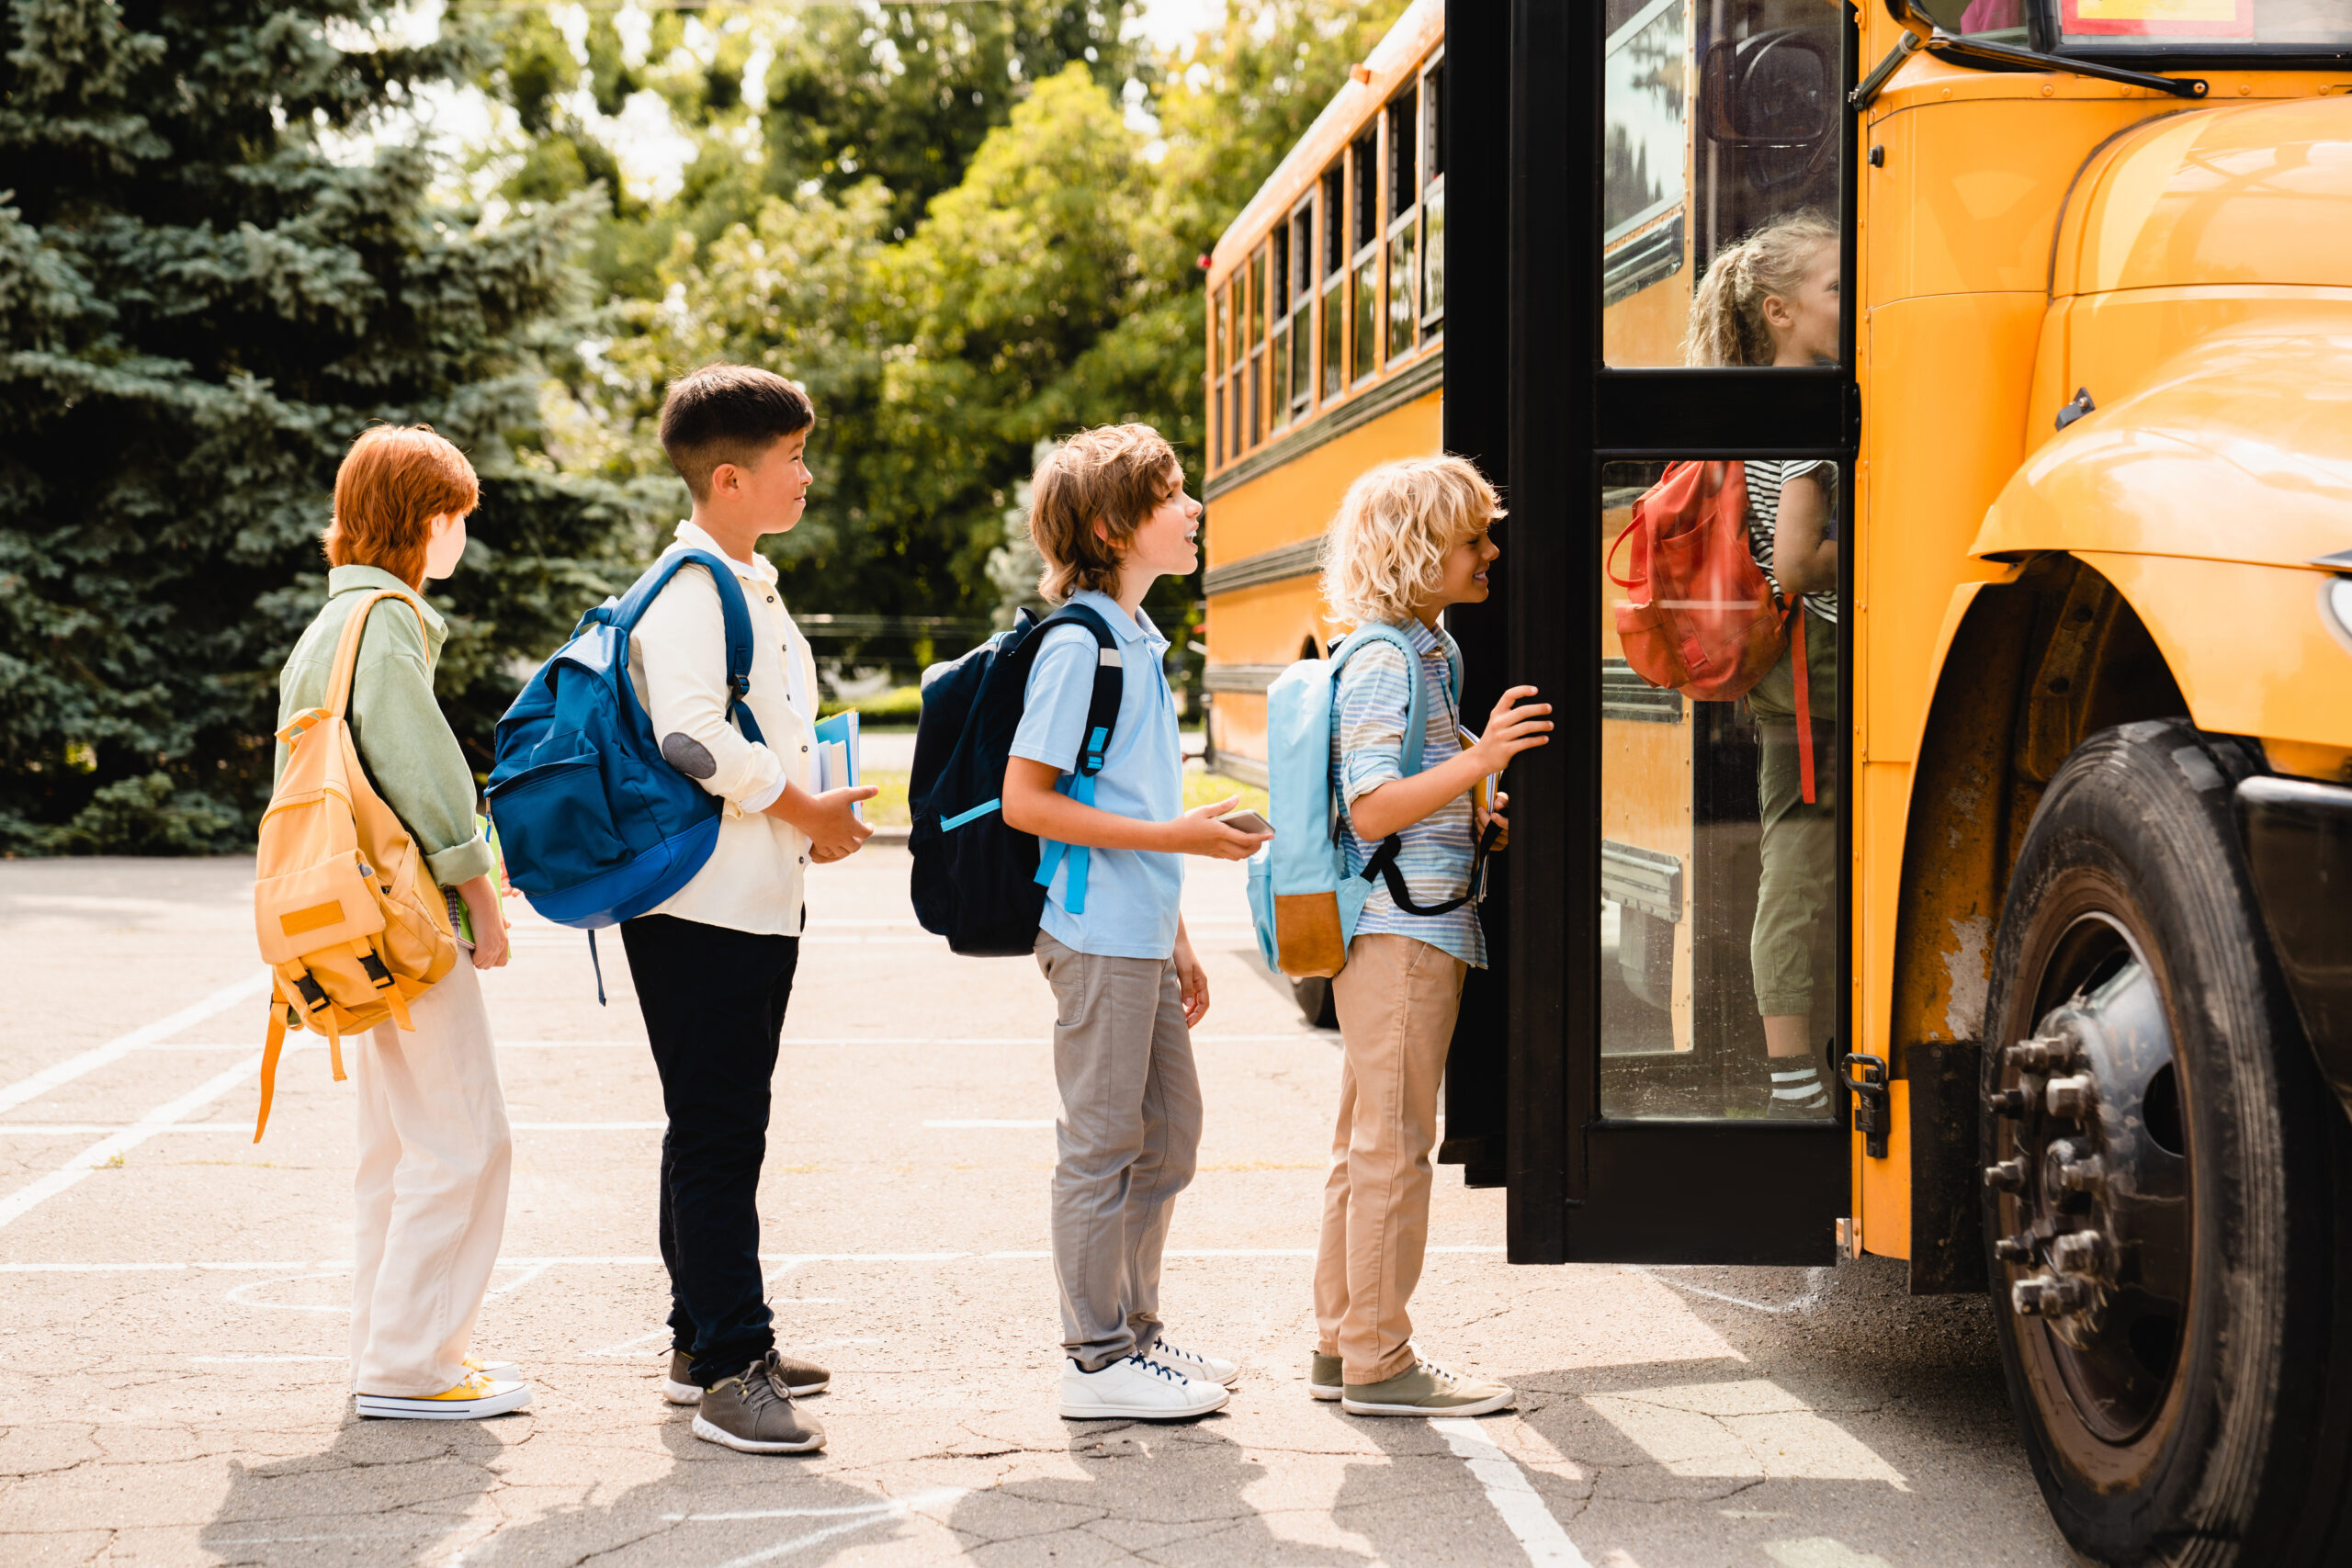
435 1157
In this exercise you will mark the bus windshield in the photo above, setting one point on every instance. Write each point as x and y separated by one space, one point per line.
2154 24
2201 24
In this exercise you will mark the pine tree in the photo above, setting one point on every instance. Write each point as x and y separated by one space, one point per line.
223 255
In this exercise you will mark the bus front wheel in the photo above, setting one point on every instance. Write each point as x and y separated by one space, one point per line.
2165 1178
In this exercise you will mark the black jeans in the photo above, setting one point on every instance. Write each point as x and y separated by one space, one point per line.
714 1002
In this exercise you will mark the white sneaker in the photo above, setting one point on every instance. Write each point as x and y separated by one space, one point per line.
1198 1365
471 1401
1134 1389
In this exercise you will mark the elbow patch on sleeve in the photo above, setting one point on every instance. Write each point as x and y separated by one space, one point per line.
689 755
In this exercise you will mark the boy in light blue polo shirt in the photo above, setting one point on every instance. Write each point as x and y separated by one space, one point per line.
1110 516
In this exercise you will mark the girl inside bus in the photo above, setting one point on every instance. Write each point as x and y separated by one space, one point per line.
1772 299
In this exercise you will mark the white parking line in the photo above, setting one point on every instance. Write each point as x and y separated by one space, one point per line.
23 1199
97 1057
1508 1489
650 1260
853 1519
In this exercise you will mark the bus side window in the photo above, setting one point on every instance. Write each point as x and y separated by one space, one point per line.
1404 221
1433 201
1335 293
1364 339
1300 289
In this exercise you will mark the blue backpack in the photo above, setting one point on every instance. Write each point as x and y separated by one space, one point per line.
596 827
1303 900
976 881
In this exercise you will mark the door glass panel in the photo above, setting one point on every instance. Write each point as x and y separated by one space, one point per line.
1433 257
1719 906
1721 130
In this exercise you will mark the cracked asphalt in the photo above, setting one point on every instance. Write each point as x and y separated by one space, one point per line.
172 1301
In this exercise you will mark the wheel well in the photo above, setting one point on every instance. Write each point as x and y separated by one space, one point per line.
2037 665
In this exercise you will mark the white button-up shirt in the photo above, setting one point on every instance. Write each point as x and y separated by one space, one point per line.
677 660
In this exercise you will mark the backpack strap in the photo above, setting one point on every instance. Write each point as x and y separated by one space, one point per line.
735 616
1102 719
346 648
1382 866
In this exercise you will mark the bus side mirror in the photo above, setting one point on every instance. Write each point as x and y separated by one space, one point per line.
1776 89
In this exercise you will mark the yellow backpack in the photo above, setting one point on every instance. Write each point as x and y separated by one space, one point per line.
349 920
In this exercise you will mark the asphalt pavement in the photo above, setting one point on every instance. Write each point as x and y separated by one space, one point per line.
173 1301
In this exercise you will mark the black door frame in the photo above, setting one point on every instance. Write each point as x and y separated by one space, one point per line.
1528 398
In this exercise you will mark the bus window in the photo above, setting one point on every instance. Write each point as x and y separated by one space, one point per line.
1299 288
1404 221
1278 386
1220 360
1683 178
1718 876
1433 200
1335 275
1364 339
1255 427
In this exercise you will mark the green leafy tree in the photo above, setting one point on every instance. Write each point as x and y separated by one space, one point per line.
221 258
906 94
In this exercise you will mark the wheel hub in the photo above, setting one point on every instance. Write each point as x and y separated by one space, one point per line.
2092 1181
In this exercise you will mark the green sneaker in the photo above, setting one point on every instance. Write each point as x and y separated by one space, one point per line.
1323 1376
1427 1390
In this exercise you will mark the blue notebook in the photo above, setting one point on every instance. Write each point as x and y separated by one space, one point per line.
837 754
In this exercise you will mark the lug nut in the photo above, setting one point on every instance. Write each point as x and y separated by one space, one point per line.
2017 1249
2082 1176
2071 1098
2049 1295
2043 1053
2009 1175
2006 1102
2079 1252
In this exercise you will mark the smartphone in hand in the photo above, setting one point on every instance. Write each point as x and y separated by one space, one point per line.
1247 821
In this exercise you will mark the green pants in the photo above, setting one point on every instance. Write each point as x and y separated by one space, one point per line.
1800 841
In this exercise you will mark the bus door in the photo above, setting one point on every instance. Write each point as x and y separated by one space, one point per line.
1674 920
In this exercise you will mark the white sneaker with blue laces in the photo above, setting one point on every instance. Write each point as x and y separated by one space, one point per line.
1197 1365
1136 1389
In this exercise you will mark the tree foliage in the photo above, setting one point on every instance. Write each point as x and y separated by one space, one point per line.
221 257
968 229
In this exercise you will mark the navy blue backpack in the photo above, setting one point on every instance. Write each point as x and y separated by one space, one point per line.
596 827
976 881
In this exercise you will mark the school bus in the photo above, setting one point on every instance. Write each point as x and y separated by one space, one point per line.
2080 961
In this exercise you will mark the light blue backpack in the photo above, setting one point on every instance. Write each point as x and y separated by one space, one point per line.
1302 899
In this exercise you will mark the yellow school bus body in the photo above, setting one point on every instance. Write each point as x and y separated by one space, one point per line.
1275 481
2021 236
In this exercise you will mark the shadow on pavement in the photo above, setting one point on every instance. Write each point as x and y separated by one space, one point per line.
382 1492
1174 1495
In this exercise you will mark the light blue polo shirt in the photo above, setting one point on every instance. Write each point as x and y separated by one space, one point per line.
1130 894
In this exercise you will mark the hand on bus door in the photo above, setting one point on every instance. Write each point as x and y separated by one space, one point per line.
1514 725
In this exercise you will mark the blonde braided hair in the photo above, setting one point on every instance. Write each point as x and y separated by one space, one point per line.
1728 313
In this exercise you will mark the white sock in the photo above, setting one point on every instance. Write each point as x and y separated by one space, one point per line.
1801 1086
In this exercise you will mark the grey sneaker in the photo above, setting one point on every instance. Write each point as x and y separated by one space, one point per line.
753 1412
1323 1376
1427 1390
803 1378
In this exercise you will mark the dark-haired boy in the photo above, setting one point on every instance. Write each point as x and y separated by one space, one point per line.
713 966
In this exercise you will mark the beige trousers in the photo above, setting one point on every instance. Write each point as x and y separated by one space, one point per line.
434 1156
1396 999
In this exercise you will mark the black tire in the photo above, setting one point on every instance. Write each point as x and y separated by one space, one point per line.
1315 1001
2173 1365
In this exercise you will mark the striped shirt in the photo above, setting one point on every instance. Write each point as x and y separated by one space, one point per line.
1764 477
1367 745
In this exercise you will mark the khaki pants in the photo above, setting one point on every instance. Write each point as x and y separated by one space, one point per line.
1798 846
434 1155
1396 999
1126 1143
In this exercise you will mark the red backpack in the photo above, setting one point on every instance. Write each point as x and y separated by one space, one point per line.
1699 617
